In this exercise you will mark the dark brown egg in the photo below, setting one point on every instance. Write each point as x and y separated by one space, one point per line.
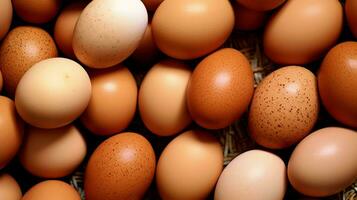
351 15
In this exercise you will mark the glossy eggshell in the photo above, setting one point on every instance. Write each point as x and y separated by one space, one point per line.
113 102
152 5
51 190
64 27
189 166
37 11
254 175
179 36
11 131
302 31
261 5
23 47
337 80
5 17
121 168
52 153
162 98
325 162
284 108
53 93
9 189
351 15
247 19
106 33
220 89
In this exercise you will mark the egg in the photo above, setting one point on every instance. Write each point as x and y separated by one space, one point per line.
254 174
179 36
64 27
261 5
351 15
9 189
337 80
247 19
220 89
53 93
11 131
52 153
113 103
189 166
121 167
106 33
23 47
37 11
51 190
1 81
151 5
325 162
284 108
162 98
5 17
302 31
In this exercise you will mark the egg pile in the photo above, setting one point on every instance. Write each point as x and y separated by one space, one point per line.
136 94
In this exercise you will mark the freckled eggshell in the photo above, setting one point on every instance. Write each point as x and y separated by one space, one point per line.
121 168
253 175
113 102
151 5
261 5
302 31
52 153
247 19
53 93
179 36
37 11
106 33
351 15
325 162
189 166
51 190
11 131
220 89
337 80
64 27
23 47
5 17
284 108
162 98
9 189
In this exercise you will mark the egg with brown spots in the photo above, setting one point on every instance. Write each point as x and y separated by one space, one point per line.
122 167
23 47
284 108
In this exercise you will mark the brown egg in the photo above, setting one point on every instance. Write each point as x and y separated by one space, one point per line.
186 29
337 81
51 190
189 166
284 108
9 189
351 15
23 47
151 5
52 153
220 89
162 98
5 17
113 102
1 81
325 162
64 27
122 167
247 19
37 11
11 131
302 31
261 5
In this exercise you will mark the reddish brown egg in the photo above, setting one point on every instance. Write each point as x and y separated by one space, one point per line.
351 15
122 167
220 89
248 19
337 81
23 47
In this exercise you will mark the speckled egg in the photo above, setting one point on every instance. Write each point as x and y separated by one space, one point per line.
122 167
284 108
23 47
220 89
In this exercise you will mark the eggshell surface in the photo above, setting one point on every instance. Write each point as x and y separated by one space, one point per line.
351 15
53 93
106 32
189 166
5 17
325 162
220 89
261 5
121 168
9 189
